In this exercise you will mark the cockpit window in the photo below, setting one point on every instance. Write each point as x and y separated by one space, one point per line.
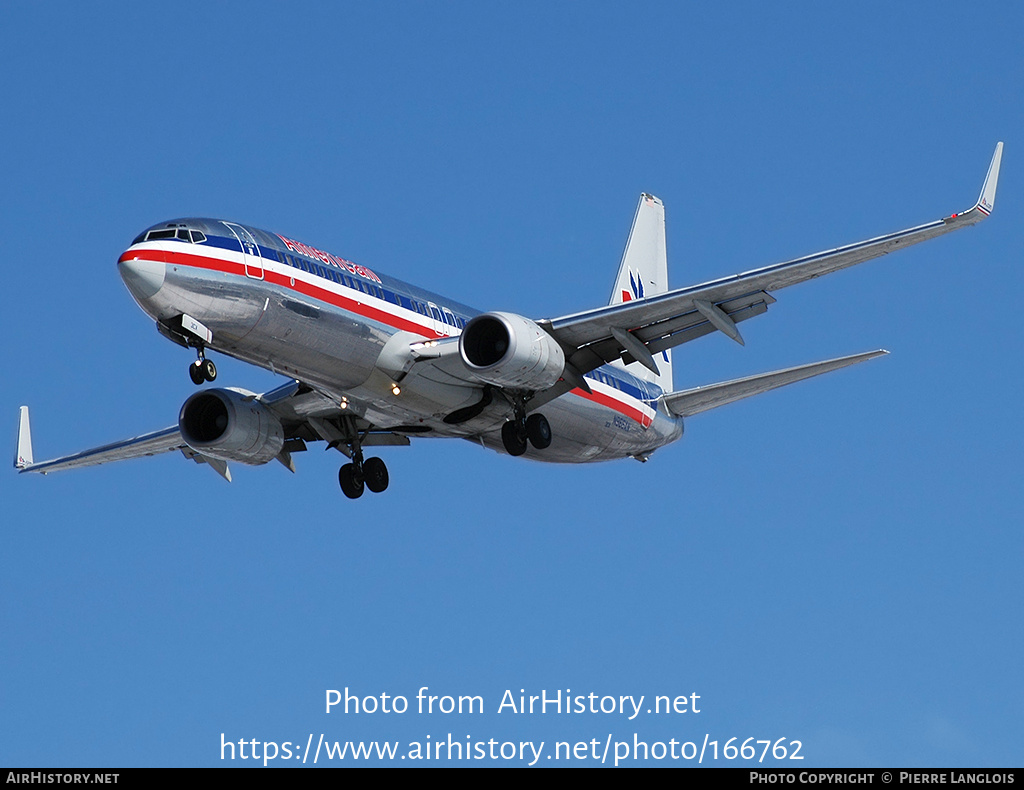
158 234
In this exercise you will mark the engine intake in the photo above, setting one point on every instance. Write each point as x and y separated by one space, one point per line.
508 350
231 425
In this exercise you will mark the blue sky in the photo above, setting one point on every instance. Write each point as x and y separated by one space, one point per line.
837 562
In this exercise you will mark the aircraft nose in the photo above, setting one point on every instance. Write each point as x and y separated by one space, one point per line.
143 277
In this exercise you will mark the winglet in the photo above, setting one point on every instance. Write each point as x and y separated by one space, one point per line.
24 456
987 199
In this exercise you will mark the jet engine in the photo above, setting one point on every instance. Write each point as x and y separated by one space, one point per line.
231 425
507 350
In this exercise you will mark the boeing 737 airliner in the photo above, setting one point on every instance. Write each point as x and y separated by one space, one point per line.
373 361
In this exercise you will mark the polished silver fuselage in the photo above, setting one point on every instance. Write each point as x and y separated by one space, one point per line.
337 326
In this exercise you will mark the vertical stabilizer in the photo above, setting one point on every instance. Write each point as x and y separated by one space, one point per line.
643 272
24 456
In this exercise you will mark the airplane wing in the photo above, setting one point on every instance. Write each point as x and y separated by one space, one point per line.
305 415
636 330
162 441
686 403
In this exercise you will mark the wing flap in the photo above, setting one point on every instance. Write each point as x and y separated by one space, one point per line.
674 331
686 403
695 330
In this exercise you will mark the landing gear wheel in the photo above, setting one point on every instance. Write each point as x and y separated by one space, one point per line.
538 430
376 474
351 481
513 436
208 369
195 372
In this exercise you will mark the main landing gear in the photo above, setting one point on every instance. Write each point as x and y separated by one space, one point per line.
516 432
359 474
202 369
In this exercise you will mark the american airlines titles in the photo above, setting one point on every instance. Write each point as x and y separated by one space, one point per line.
326 257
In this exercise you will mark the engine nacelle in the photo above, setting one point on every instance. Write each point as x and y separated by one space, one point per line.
232 426
507 350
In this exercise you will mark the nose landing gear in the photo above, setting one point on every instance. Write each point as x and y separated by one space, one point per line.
202 369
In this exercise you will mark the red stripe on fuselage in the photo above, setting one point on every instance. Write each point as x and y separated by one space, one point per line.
285 281
215 264
632 412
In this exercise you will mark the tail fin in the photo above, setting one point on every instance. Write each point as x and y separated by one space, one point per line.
643 272
24 457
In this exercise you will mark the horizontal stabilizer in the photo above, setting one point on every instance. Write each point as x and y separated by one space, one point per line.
686 403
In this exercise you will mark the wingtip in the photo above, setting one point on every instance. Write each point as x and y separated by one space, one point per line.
864 357
987 199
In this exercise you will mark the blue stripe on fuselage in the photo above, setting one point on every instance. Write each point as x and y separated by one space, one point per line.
395 292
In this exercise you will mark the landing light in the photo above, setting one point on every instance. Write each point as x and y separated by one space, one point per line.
396 390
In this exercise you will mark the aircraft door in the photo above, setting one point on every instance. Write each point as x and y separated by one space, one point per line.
250 251
440 329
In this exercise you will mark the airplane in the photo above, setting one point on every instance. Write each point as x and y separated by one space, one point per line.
374 362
